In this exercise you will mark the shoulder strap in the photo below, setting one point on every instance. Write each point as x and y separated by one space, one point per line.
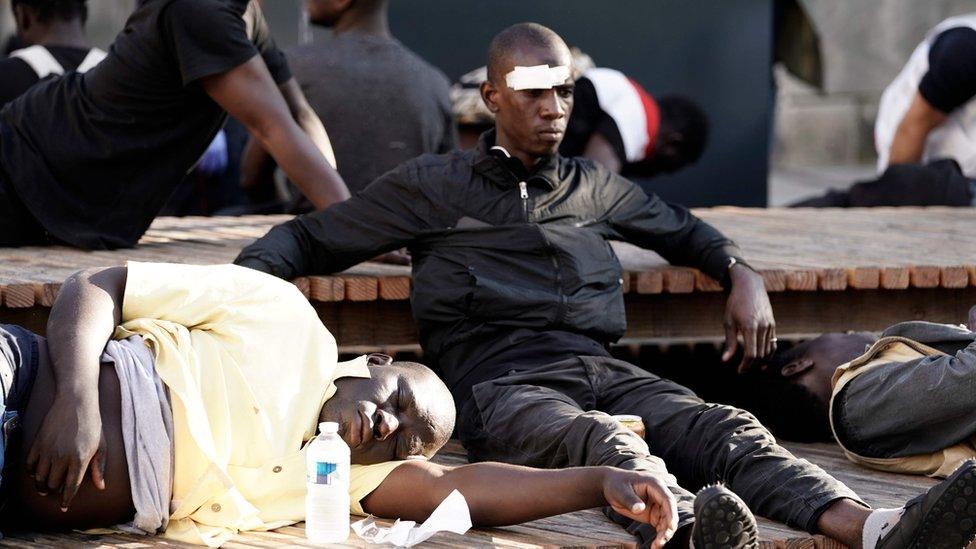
93 58
40 61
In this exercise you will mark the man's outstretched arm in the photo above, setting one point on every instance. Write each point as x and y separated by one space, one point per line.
499 494
86 312
385 216
249 94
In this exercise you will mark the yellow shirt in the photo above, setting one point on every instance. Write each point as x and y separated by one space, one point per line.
248 365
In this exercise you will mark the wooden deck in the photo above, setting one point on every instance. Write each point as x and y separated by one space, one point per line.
825 270
577 530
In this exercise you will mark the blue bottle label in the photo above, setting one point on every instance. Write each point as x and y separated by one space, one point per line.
325 472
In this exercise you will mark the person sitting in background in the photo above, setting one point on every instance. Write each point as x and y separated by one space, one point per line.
51 42
928 112
382 102
901 402
615 121
89 159
179 398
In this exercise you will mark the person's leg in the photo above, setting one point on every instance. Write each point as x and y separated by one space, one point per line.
18 367
545 418
705 443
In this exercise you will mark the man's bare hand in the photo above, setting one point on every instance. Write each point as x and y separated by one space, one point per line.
748 314
644 498
971 322
397 257
69 440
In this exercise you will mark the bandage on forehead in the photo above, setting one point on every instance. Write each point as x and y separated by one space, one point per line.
539 77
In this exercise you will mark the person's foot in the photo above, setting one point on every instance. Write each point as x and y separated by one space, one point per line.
942 518
722 520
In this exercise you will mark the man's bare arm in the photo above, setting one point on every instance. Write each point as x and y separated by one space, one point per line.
307 120
257 166
499 494
249 94
87 310
909 142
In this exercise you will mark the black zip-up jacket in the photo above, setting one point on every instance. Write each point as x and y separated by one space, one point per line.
497 251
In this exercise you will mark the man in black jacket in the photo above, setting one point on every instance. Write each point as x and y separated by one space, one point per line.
516 292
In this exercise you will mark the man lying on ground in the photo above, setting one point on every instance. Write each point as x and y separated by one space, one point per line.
89 159
902 402
221 374
516 292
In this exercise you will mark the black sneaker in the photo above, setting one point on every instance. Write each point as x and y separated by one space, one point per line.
942 518
722 520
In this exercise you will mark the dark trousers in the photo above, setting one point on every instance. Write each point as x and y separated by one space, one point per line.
938 183
17 226
558 415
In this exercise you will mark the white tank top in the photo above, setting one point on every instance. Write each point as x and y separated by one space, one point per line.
956 137
44 64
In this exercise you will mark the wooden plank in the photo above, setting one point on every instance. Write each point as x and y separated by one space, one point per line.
864 278
774 279
679 280
394 287
954 277
361 288
925 276
832 279
327 288
18 296
895 278
650 282
801 281
304 285
705 283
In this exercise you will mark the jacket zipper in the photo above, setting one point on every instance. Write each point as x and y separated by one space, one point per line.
524 194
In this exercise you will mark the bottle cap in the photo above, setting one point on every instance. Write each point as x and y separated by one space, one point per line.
329 427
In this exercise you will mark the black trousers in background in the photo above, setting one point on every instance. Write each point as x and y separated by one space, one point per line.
17 226
559 415
937 183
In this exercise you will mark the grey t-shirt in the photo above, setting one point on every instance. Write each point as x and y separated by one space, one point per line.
380 102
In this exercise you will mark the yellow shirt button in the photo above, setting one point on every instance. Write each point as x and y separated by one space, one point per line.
215 507
277 469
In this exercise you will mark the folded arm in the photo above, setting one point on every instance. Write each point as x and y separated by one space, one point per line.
499 494
85 314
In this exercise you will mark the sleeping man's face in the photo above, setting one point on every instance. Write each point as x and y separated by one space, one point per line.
403 410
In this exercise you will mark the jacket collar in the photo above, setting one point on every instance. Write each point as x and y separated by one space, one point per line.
501 168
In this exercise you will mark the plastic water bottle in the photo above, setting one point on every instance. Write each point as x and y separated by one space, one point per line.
327 479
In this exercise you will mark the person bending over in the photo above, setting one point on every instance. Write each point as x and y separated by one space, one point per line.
927 112
89 159
221 374
616 122
516 292
52 41
901 402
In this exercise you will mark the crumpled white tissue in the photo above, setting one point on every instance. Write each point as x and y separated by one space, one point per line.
452 515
